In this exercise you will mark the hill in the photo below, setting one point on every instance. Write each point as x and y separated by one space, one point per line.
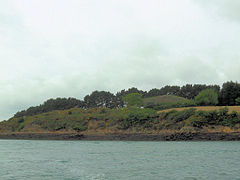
124 121
167 102
205 108
163 99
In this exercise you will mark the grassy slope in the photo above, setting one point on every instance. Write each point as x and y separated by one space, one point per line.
99 121
163 99
71 120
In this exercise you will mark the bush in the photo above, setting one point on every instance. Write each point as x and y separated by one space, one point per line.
103 111
237 101
221 117
21 126
79 128
230 119
196 121
177 116
21 120
210 117
133 99
207 97
138 116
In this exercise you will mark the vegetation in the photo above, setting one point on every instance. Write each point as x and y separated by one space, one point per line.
229 93
238 101
163 99
167 101
100 99
50 105
116 120
207 97
133 99
134 110
221 117
154 98
205 108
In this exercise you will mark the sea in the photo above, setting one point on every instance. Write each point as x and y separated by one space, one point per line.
113 160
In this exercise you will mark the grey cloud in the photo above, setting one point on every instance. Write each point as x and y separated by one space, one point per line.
225 8
145 45
193 70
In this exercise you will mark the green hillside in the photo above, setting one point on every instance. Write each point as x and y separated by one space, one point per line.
164 99
166 102
123 120
77 119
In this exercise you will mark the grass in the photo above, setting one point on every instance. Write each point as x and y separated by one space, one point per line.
127 120
167 102
205 108
163 99
74 119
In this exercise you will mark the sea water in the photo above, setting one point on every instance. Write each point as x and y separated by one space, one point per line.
33 159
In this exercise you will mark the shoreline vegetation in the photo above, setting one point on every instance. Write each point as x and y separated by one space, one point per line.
192 112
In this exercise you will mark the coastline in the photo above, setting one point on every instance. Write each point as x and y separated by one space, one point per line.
124 137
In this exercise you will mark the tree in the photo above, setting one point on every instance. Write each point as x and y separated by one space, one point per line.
99 99
119 95
189 91
153 92
207 97
186 91
229 92
50 105
133 99
238 101
167 90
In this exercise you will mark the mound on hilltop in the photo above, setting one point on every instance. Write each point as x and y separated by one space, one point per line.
167 101
164 99
205 108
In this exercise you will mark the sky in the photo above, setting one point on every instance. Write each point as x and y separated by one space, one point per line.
69 48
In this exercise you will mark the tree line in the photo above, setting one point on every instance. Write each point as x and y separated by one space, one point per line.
228 94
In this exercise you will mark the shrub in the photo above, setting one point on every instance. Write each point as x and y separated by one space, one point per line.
237 101
20 120
196 121
139 116
79 128
133 99
103 111
210 117
177 116
221 117
21 126
101 125
207 97
231 119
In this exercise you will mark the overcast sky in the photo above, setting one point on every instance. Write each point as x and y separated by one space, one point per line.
68 48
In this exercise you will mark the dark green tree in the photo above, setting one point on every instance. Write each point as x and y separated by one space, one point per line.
229 93
238 101
50 105
153 92
100 99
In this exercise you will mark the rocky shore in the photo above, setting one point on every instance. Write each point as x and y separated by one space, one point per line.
126 137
